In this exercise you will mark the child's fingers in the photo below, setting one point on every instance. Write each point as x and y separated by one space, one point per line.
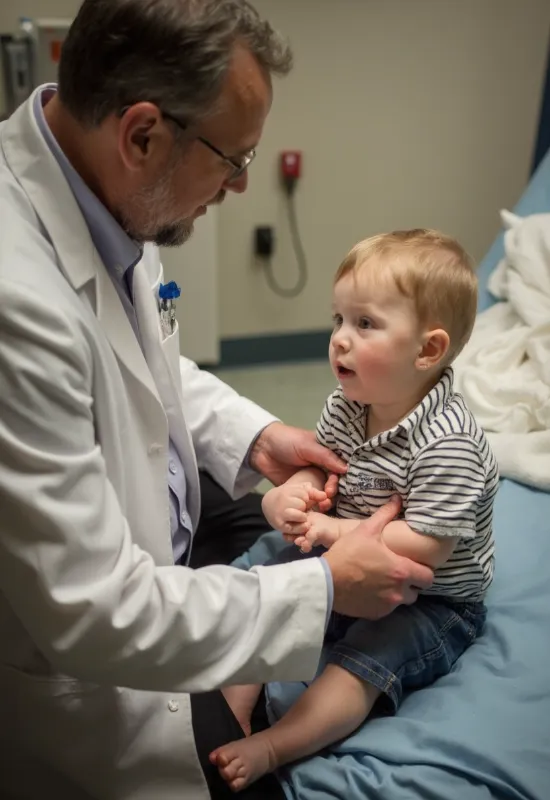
311 538
298 501
293 538
295 528
294 515
325 505
302 491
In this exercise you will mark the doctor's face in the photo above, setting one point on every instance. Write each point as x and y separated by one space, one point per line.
184 172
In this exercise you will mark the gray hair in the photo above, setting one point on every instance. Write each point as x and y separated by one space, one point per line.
174 53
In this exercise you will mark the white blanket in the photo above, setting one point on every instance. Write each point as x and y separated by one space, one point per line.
504 371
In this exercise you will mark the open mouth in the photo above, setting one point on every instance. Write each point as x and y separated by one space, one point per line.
344 372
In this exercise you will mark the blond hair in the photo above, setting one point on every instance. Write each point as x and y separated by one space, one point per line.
431 269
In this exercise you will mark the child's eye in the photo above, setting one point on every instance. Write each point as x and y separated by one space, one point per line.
365 323
336 320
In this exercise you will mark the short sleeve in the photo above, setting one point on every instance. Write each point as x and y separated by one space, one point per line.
446 483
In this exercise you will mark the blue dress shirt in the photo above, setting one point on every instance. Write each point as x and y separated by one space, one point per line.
120 254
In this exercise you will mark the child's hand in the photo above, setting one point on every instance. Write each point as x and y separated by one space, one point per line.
331 490
320 530
286 506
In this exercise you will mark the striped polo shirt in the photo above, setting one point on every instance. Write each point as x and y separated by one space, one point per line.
440 463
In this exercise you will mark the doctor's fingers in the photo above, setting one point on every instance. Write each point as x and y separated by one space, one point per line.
331 485
316 496
324 505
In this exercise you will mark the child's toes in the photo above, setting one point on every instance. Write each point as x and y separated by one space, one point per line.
216 756
233 770
238 784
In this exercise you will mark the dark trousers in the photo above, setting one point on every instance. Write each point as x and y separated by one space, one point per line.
227 528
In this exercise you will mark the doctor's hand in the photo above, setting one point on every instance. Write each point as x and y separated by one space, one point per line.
370 581
280 450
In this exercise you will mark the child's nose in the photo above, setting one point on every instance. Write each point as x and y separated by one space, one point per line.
340 339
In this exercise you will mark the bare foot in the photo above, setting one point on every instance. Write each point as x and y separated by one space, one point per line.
242 762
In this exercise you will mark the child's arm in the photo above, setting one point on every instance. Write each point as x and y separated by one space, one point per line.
312 475
398 536
429 550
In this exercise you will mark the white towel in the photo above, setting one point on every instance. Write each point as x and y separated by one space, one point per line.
504 371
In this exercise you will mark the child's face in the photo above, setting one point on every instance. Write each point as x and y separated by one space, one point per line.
376 340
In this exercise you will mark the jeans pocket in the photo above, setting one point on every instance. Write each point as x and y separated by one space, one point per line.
463 629
475 617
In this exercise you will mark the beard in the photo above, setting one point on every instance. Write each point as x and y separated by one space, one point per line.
172 235
177 233
151 205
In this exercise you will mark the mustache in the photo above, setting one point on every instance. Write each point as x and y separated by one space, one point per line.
219 198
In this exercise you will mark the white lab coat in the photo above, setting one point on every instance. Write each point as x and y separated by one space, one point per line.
90 600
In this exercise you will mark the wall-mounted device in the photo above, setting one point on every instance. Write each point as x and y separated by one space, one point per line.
291 168
30 57
290 171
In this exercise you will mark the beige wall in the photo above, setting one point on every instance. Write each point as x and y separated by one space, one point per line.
409 112
11 10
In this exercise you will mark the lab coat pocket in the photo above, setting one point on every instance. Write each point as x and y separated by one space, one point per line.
47 714
171 349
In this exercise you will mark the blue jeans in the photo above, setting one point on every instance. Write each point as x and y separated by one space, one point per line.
408 649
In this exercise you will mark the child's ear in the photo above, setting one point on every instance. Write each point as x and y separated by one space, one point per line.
434 349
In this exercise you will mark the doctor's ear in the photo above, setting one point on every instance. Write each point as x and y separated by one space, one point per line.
435 346
143 135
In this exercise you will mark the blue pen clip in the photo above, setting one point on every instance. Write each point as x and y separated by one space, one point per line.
168 292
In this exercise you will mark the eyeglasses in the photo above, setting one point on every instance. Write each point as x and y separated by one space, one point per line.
237 166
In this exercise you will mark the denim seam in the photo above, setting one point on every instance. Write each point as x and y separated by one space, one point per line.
342 655
366 668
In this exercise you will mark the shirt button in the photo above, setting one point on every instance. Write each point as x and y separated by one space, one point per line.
172 467
173 705
119 269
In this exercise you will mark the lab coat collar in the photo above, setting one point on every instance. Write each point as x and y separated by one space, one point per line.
31 161
117 250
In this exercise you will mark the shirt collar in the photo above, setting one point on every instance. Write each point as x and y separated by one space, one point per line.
433 404
117 250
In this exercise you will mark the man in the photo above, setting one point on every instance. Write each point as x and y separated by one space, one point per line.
106 635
